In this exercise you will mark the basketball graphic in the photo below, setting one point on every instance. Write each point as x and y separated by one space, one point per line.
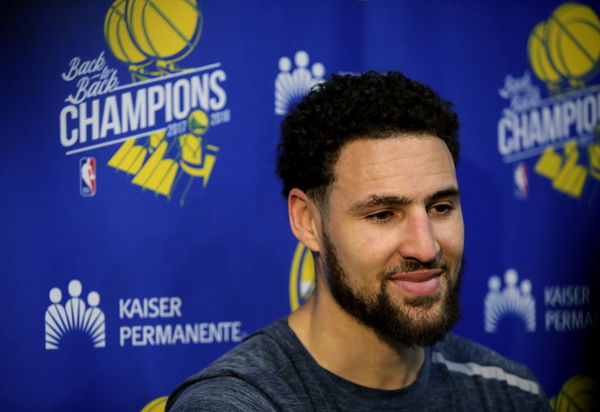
573 41
150 36
577 394
567 46
165 30
536 49
117 36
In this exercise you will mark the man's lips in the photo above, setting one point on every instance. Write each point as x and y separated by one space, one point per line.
418 275
418 283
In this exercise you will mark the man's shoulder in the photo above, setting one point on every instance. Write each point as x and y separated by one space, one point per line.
224 393
470 361
267 348
456 350
246 372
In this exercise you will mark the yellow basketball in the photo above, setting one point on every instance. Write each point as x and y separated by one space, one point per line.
536 50
117 36
577 394
573 41
164 29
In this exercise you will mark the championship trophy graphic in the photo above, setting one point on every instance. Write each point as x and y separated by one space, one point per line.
564 52
151 37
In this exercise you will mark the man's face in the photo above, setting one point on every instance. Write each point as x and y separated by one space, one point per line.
392 237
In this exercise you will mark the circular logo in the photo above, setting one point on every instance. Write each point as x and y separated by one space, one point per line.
302 276
198 122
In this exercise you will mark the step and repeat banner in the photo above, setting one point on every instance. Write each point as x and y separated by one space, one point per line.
143 232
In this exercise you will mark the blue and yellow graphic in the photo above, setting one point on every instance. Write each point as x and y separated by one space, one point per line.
150 36
566 46
566 174
161 173
563 129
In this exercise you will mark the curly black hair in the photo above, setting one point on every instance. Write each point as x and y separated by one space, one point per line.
347 107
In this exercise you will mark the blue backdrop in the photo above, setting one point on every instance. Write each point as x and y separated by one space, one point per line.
143 229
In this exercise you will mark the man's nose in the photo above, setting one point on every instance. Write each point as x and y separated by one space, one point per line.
418 240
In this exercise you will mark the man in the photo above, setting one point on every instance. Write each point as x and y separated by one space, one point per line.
368 167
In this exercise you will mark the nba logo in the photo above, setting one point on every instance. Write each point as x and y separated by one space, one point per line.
521 184
87 176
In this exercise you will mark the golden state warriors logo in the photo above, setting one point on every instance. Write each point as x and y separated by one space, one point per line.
302 276
563 129
198 122
162 118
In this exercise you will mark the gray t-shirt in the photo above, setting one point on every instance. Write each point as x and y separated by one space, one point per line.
272 371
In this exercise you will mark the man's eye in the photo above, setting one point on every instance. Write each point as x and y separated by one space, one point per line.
442 208
380 217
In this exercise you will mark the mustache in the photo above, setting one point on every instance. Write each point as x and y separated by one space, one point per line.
413 266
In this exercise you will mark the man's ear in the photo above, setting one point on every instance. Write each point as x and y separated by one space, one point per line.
304 219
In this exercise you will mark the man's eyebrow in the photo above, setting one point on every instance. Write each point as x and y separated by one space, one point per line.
450 191
375 201
381 200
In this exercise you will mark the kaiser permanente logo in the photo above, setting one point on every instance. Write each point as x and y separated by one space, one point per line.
561 130
142 321
74 315
295 80
161 119
514 298
567 307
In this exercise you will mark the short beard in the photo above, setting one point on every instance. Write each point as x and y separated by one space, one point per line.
388 320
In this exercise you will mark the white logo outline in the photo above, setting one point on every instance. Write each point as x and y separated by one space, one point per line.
290 85
74 315
514 299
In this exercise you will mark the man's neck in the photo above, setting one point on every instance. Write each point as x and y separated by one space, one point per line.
345 347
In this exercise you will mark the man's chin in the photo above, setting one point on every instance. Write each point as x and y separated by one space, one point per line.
424 303
421 329
431 312
418 320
